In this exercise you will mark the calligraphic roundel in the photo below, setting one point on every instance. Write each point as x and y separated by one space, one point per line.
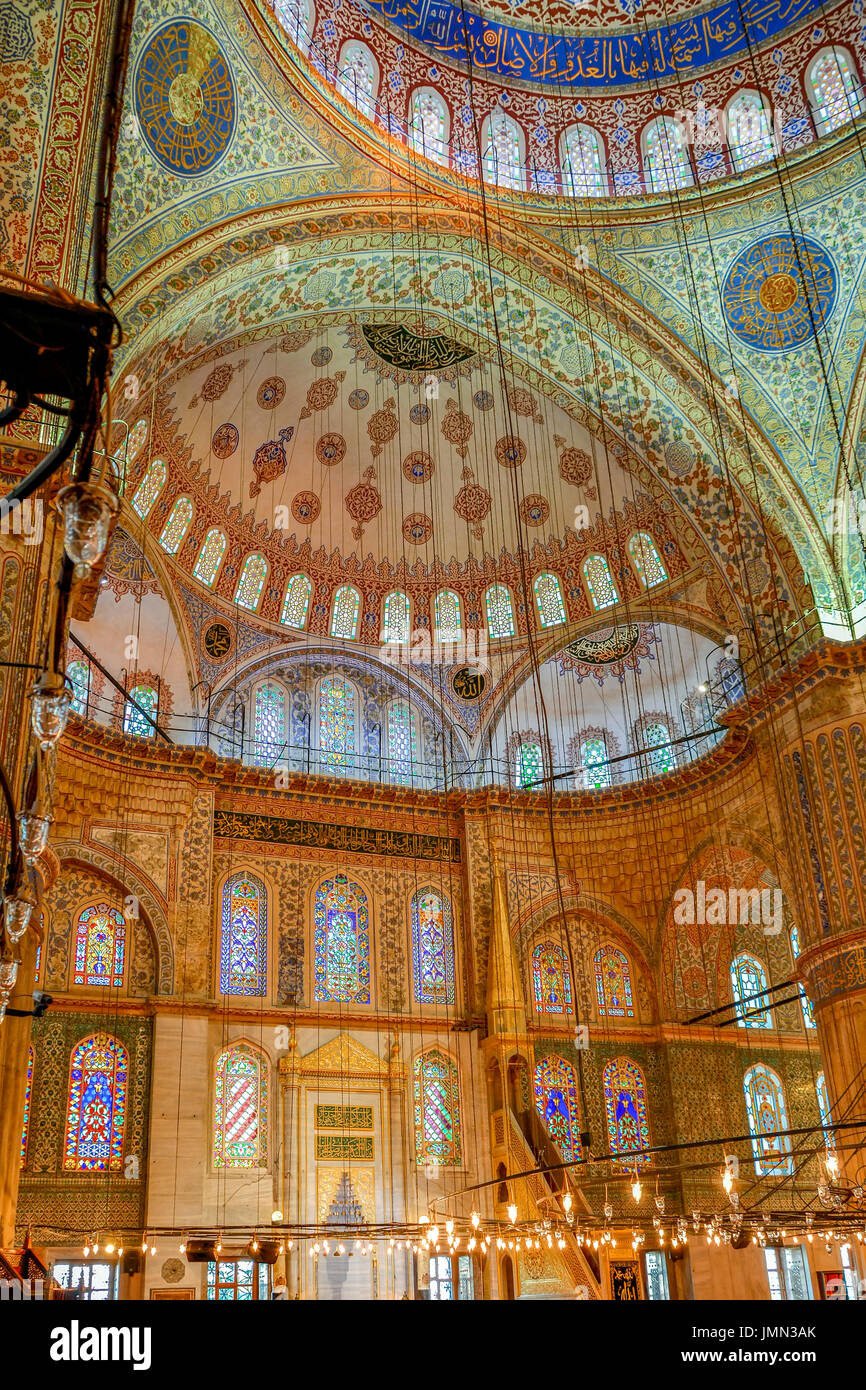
185 102
779 291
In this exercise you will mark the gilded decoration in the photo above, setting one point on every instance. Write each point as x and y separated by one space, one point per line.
335 1188
342 1058
344 1117
353 839
779 291
185 101
356 1148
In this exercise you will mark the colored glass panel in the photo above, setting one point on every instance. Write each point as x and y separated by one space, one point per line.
805 1001
79 676
500 615
240 1109
347 606
437 1110
341 943
599 582
429 125
395 624
528 764
269 717
646 560
210 557
336 722
296 604
666 157
662 757
502 152
402 742
749 978
244 937
149 488
551 979
28 1091
835 91
750 138
177 525
584 176
594 764
823 1111
626 1109
357 78
432 948
294 15
251 582
613 983
100 946
449 622
557 1104
548 598
134 720
765 1108
96 1105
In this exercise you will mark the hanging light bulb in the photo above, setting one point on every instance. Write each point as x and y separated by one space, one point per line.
182 1247
512 1212
636 1188
727 1180
433 1235
567 1202
832 1162
87 510
144 1245
471 1243
86 1251
96 1246
449 1227
110 1246
475 1220
276 1215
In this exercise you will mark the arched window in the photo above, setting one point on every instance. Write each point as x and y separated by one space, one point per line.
28 1092
500 614
749 978
557 1104
551 979
599 582
100 946
836 95
646 559
96 1105
177 525
437 1110
79 676
626 1109
613 983
149 488
244 936
297 20
428 130
823 1111
528 763
251 582
583 163
240 1122
344 616
134 721
661 757
750 133
765 1108
357 79
502 144
549 601
296 604
269 723
337 722
402 743
210 557
395 618
341 943
805 1001
432 948
594 763
446 611
729 673
665 155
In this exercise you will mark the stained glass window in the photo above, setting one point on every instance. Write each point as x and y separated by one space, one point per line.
402 742
28 1091
149 488
613 983
251 582
599 582
395 618
662 758
210 557
502 151
134 721
500 615
750 137
269 723
594 763
341 944
429 127
177 525
805 1001
557 1104
96 1105
337 722
296 603
551 979
347 606
294 15
666 157
626 1108
79 676
834 90
446 610
432 948
437 1110
357 78
582 164
765 1107
823 1111
100 946
748 978
527 763
548 598
646 559
240 1127
244 936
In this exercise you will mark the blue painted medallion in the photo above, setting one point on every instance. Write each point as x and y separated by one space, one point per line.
779 291
185 99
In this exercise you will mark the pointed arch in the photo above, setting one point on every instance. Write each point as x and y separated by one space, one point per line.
646 559
448 616
504 150
243 951
551 979
28 1096
625 1104
395 618
612 969
750 131
809 1020
429 126
432 947
149 489
341 942
834 89
599 582
438 1137
296 604
582 162
298 18
749 978
358 79
556 1100
96 1105
100 947
240 1115
402 735
345 612
337 723
665 155
500 612
176 526
767 1113
548 600
210 557
252 582
134 722
823 1099
270 702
